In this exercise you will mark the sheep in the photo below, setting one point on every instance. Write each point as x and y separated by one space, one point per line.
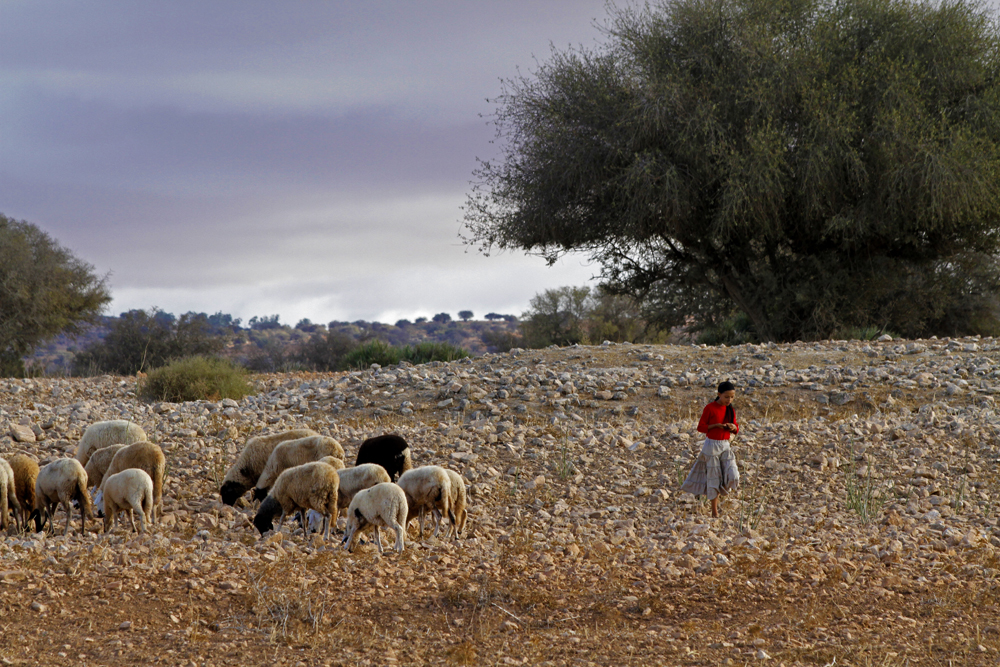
381 505
389 451
101 434
8 496
308 486
352 480
338 464
25 473
292 453
145 456
61 482
98 464
131 490
427 488
458 511
243 474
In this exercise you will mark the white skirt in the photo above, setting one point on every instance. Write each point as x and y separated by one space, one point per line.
714 472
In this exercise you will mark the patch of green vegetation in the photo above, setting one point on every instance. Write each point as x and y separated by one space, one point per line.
196 378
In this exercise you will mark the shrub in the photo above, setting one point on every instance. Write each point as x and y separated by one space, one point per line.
422 353
196 378
372 352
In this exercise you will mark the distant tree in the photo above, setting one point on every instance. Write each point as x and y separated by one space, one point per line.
501 341
557 316
420 320
139 340
465 315
494 316
305 324
509 318
264 323
326 352
402 323
224 322
44 290
813 164
442 318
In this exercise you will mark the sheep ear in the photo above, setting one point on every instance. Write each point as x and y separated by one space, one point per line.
358 514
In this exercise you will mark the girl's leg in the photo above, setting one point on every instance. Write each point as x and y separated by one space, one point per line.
715 507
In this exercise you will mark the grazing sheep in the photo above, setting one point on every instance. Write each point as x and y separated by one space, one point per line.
8 496
293 453
458 511
61 482
389 451
243 474
98 464
25 473
130 490
144 456
310 486
101 434
338 464
357 479
427 488
383 505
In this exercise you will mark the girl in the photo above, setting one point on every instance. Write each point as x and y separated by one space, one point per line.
715 472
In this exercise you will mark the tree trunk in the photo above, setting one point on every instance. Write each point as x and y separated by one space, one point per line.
759 320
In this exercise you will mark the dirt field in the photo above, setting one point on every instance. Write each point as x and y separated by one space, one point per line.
865 532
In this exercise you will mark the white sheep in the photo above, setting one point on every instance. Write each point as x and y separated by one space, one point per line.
310 486
130 490
8 496
292 453
428 488
458 511
144 456
383 505
101 434
98 464
243 474
61 482
352 480
25 473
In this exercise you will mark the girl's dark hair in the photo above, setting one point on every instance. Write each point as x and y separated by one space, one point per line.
726 386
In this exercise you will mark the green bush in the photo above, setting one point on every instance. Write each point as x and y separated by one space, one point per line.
384 354
196 378
372 352
735 330
421 353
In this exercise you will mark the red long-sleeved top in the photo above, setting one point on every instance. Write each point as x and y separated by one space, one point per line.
715 413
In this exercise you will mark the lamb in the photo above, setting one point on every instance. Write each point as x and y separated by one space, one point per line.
61 482
144 456
427 488
383 505
131 490
101 434
25 473
389 451
458 511
352 480
8 496
243 474
292 453
308 486
98 464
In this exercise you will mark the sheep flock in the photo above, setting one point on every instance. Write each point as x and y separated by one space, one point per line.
533 516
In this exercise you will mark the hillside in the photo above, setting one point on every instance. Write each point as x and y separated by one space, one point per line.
580 548
244 345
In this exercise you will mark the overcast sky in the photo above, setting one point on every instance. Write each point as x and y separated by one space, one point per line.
302 158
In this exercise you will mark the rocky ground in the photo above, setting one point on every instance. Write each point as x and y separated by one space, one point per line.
865 532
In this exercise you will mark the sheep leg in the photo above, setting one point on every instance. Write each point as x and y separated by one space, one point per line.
131 517
378 539
438 521
400 532
420 522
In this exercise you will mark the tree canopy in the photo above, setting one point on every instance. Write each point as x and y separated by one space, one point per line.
44 290
814 164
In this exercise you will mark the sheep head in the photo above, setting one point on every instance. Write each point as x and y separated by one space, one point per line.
264 520
231 492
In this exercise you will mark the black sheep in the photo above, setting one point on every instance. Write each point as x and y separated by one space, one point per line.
389 451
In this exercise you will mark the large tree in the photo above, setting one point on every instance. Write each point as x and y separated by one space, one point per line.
815 164
44 290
